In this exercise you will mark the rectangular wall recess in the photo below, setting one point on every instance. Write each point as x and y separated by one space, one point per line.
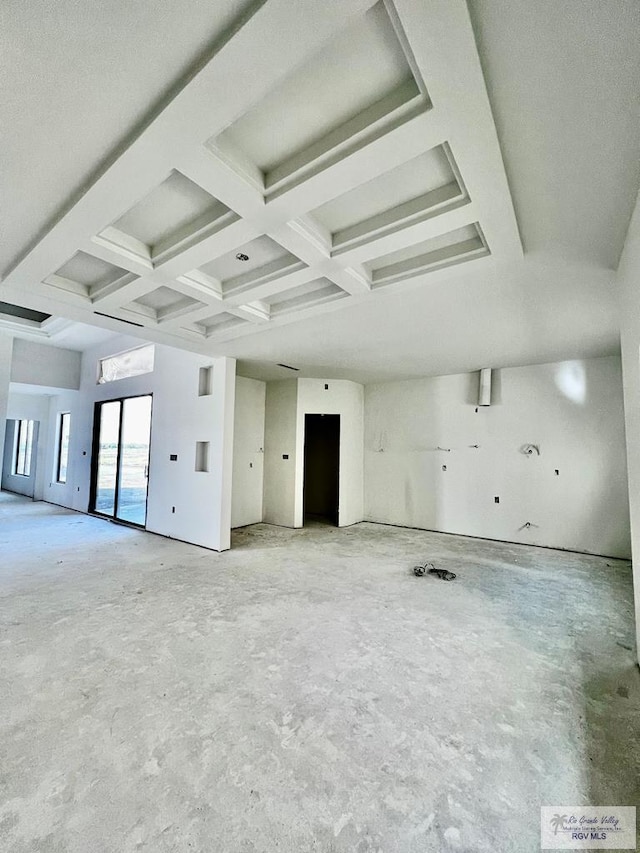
205 381
202 456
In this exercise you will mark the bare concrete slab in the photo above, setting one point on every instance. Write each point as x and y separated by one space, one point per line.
304 691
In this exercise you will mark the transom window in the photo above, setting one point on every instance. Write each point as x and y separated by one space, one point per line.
122 365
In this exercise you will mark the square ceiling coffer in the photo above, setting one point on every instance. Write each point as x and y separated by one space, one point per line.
88 276
251 266
163 303
312 294
415 191
218 325
172 217
354 90
455 247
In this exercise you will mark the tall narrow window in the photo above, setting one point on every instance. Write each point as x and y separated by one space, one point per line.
62 457
22 448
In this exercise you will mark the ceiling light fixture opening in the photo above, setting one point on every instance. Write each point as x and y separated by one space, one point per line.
242 257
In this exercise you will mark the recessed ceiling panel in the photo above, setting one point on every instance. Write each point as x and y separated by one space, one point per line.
258 260
218 323
85 275
312 293
163 302
411 192
90 271
438 252
363 69
175 212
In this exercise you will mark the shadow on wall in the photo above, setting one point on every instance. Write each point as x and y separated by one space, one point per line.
599 514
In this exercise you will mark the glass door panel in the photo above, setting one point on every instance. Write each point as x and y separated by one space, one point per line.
134 460
121 459
107 461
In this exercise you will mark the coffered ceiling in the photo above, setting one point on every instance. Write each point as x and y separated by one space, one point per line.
320 183
325 154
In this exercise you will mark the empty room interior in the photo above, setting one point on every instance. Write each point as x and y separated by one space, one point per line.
320 425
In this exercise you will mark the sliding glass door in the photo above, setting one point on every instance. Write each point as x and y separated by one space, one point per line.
120 465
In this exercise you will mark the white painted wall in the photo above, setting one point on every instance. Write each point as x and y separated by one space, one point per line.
280 437
180 418
572 410
37 364
34 407
19 483
344 398
6 356
64 493
629 284
287 403
248 452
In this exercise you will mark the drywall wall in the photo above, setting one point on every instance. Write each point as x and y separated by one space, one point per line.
34 407
38 364
572 411
335 397
63 493
280 437
183 503
287 403
6 356
248 452
629 288
21 484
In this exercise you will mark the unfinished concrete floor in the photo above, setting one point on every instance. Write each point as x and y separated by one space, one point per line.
304 692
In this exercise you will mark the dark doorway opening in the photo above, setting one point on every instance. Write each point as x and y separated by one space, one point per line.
321 468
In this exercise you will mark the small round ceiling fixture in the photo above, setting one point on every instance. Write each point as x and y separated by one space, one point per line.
242 257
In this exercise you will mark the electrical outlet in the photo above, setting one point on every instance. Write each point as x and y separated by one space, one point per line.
173 509
496 499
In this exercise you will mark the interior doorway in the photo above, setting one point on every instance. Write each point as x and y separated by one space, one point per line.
120 460
321 488
20 457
